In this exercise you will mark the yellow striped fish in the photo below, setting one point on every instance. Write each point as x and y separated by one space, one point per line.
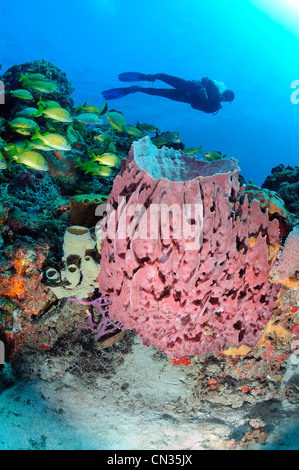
21 94
27 113
43 87
58 114
32 159
32 76
22 123
117 120
108 159
55 141
103 171
3 164
48 103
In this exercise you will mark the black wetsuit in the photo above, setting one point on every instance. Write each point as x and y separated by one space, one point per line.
203 95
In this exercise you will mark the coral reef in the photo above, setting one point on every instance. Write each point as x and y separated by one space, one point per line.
83 209
105 327
284 271
182 299
33 186
285 181
22 294
273 202
214 299
52 72
268 200
62 165
33 213
37 207
255 374
79 269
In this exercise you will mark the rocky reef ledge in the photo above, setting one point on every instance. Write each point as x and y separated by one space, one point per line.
198 333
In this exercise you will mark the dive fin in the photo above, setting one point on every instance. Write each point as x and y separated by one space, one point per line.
115 93
135 77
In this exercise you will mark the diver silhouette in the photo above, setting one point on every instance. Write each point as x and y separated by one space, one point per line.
205 94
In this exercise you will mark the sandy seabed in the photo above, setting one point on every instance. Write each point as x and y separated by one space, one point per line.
146 404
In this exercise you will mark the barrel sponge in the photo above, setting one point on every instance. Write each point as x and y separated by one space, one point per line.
288 263
187 300
83 207
77 240
76 275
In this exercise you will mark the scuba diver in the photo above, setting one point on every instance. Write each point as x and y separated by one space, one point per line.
205 95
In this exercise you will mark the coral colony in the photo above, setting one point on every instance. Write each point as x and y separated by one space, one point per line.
172 242
289 261
105 325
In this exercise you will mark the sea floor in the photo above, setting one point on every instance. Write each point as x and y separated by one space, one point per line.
146 404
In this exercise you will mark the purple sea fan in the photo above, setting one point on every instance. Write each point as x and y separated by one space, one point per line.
288 263
105 325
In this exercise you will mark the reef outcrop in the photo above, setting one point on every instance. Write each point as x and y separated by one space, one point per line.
76 275
184 299
285 181
195 281
285 268
51 71
268 200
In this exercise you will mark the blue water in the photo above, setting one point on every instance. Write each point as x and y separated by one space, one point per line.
246 44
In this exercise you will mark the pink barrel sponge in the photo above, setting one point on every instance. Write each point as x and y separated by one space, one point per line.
187 292
288 263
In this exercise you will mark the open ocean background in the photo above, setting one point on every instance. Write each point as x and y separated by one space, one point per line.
250 45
